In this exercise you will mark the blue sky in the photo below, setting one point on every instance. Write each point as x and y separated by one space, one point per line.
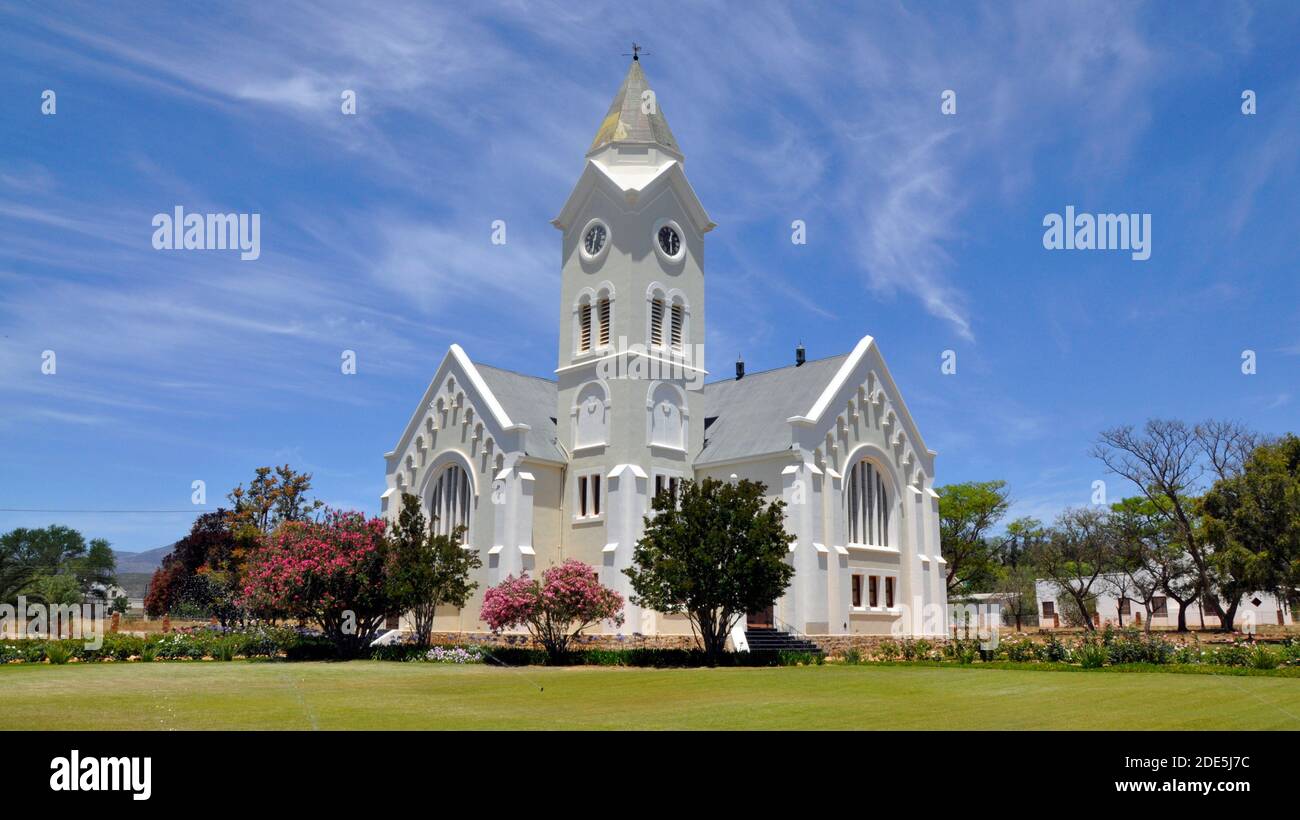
924 230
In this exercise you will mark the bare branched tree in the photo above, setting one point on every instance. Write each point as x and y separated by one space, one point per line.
1226 445
1082 546
1170 462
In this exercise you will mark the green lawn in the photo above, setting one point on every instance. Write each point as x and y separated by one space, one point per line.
387 695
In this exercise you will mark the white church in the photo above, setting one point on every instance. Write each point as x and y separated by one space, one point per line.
544 469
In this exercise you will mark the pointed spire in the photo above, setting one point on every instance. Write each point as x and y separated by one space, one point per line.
633 120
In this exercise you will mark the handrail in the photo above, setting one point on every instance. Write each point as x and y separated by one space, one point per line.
787 628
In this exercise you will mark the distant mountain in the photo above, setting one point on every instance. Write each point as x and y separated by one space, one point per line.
146 561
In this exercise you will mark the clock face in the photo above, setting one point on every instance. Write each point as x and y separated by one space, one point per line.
669 242
594 239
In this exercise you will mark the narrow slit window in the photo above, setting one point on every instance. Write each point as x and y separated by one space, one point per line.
584 327
657 322
603 308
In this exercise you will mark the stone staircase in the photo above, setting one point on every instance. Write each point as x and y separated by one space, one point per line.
766 639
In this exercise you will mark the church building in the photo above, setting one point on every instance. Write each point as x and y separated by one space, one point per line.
544 469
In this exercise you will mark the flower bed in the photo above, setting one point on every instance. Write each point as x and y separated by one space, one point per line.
1110 647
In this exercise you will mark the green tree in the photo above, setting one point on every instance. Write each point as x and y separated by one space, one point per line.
274 496
30 558
714 551
1014 592
1152 559
202 576
427 570
1168 462
97 569
1019 540
1080 548
967 515
1253 517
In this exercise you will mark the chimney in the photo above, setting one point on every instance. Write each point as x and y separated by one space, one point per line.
740 368
799 356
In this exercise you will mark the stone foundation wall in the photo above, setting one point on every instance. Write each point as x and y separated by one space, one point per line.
834 645
581 642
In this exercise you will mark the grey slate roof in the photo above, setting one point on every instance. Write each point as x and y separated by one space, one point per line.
626 122
529 400
751 412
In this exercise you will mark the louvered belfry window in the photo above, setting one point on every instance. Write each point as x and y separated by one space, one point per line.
603 309
657 322
678 316
584 327
868 505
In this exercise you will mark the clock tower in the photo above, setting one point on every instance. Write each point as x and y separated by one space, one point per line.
630 368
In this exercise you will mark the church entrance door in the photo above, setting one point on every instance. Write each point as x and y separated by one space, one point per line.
762 619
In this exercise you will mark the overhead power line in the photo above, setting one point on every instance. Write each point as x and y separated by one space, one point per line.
133 512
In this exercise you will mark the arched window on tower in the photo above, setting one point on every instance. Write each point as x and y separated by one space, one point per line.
584 325
657 320
868 505
677 324
603 315
449 501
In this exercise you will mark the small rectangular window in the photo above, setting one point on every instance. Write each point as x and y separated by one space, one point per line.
1159 607
666 484
678 318
1123 606
589 496
1049 609
889 592
857 591
873 591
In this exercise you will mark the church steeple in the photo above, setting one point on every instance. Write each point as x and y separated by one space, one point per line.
634 117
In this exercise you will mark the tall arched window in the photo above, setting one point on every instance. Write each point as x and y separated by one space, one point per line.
868 505
667 315
450 501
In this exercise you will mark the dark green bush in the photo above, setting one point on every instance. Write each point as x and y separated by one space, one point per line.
1054 650
1020 651
1091 654
1233 654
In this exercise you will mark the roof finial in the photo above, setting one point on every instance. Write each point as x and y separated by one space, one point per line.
636 52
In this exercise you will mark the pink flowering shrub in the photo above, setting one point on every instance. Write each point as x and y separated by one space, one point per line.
332 572
567 600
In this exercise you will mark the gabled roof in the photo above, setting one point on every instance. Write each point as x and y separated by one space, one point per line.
627 121
753 413
530 400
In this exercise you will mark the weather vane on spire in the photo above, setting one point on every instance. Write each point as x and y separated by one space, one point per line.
636 52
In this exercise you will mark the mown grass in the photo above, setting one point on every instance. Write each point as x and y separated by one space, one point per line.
385 695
